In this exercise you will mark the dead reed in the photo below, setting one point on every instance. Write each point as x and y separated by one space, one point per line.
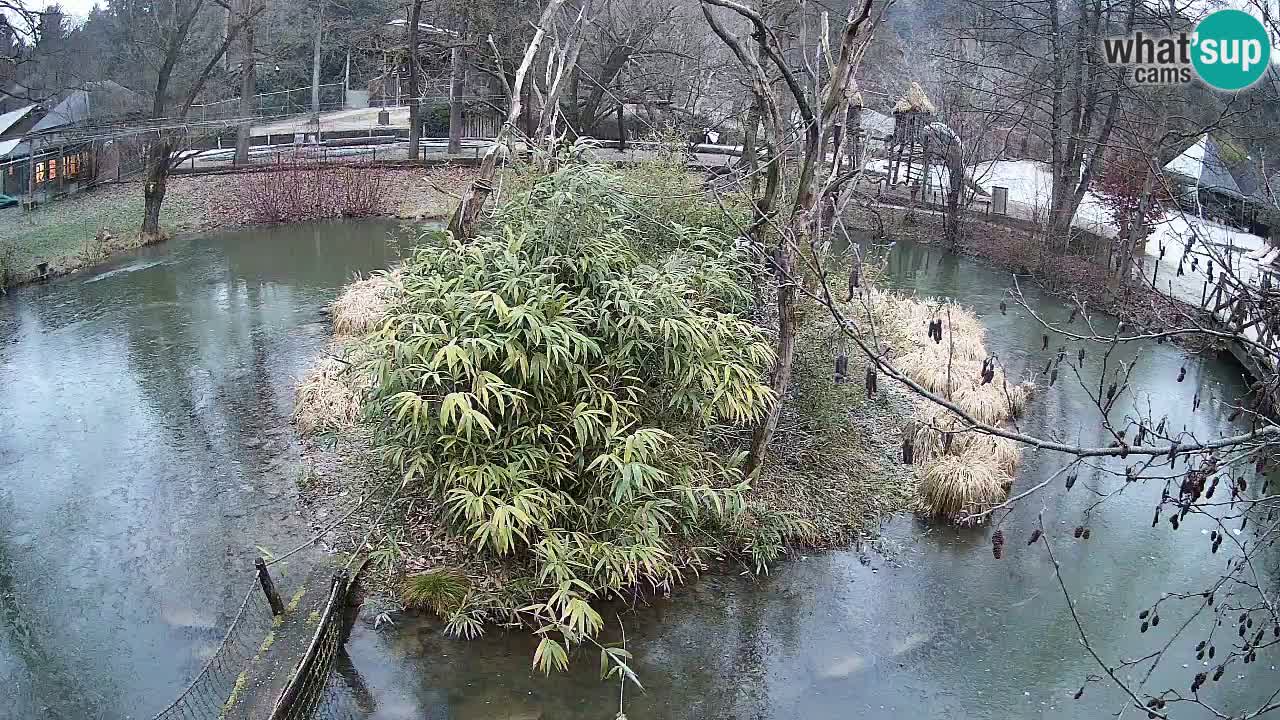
363 304
942 347
331 394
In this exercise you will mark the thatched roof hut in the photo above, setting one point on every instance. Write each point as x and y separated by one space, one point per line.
915 101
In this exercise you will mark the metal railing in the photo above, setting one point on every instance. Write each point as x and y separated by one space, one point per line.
294 101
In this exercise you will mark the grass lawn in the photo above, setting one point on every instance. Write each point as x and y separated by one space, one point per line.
62 233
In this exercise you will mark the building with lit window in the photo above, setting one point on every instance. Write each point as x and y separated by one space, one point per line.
61 147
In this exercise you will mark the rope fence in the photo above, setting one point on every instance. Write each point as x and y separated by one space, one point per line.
259 649
318 689
218 689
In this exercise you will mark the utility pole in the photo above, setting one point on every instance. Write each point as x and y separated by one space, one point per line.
457 78
346 79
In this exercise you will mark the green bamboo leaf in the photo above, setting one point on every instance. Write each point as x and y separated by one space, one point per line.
550 655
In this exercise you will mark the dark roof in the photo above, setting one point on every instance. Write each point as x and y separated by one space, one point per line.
1250 180
1215 174
13 118
98 101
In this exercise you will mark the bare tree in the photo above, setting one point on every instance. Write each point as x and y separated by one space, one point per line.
166 39
248 79
620 31
37 59
817 191
462 223
1041 59
1140 448
457 85
561 63
415 102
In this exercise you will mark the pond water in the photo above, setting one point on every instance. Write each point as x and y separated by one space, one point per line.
145 450
933 628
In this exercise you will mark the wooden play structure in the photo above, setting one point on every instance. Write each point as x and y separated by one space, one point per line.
911 118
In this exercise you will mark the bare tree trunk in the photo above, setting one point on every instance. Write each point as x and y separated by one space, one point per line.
462 224
804 216
559 67
763 433
955 189
622 127
750 160
154 189
415 105
160 152
853 135
457 78
248 89
1134 234
315 61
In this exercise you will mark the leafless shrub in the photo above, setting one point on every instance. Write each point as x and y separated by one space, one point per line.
309 191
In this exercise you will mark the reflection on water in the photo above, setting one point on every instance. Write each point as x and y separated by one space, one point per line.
936 628
145 450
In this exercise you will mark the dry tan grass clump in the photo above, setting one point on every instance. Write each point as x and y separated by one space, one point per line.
993 403
1019 395
331 394
1002 453
363 305
956 486
962 470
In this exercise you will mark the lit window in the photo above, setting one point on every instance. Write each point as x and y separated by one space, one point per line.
53 169
39 172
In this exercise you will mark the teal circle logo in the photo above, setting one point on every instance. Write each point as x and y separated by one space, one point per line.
1232 50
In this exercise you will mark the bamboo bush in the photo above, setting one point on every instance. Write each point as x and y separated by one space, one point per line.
528 378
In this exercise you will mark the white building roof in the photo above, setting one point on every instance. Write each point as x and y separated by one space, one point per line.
12 117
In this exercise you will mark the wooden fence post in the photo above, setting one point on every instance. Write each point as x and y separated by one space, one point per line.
269 587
